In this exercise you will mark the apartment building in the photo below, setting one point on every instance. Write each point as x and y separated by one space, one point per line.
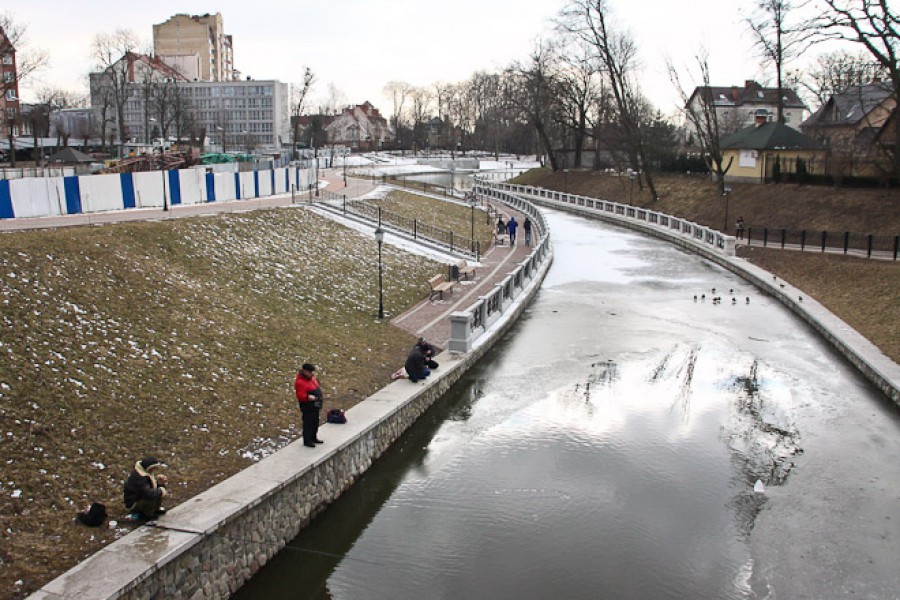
197 46
232 116
9 99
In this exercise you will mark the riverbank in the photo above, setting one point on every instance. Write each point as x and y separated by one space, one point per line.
861 292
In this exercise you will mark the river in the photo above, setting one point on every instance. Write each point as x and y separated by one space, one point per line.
609 445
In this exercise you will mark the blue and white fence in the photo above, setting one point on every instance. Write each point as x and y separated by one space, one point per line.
53 196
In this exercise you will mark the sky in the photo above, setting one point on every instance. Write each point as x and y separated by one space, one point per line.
358 46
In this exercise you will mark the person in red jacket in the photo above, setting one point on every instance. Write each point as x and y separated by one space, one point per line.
309 396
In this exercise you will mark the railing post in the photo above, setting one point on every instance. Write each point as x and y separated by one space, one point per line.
869 250
783 237
803 240
846 241
379 216
415 229
824 236
896 246
344 202
451 241
765 237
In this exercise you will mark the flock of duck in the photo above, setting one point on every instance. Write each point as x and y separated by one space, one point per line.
717 299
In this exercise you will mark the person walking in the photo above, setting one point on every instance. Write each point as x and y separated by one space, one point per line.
144 489
309 396
511 227
739 228
527 227
501 226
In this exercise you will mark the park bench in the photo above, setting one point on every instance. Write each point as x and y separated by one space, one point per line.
438 286
464 269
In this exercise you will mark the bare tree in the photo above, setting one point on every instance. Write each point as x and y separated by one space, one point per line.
835 72
533 94
113 54
420 108
578 88
779 38
298 98
700 111
28 62
871 24
588 21
397 92
443 92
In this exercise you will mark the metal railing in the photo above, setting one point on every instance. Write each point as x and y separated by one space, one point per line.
834 242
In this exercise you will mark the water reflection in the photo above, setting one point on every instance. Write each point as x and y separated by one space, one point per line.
606 448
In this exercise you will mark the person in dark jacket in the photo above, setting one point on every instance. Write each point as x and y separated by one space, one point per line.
145 488
429 350
511 226
416 367
527 227
309 396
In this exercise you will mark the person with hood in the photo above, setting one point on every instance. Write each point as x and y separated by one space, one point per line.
429 350
145 488
511 226
527 227
309 396
416 364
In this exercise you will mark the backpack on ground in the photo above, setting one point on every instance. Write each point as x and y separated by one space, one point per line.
93 516
336 415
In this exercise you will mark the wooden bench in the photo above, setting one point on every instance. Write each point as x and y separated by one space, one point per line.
464 269
439 285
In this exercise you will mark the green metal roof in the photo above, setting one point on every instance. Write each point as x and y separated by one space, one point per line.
769 136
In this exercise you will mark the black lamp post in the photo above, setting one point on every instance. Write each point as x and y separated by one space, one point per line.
346 154
726 191
472 202
633 176
379 237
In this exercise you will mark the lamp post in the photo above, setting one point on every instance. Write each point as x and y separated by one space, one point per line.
566 181
726 191
346 153
379 237
473 201
632 175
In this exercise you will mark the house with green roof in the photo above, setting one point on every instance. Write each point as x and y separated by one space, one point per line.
769 150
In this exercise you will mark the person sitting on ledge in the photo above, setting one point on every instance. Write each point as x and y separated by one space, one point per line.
416 364
144 489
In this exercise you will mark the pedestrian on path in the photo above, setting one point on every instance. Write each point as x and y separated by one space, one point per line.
527 227
309 396
739 228
511 227
501 226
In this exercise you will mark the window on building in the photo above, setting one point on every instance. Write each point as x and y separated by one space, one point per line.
9 76
7 59
10 94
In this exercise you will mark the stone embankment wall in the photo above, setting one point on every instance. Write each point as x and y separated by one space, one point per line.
210 545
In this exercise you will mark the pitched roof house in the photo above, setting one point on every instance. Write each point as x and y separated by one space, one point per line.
737 107
849 121
360 127
767 149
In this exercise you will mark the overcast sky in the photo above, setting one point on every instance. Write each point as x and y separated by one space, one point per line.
360 45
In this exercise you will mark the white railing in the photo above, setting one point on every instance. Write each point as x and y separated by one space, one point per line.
649 221
468 325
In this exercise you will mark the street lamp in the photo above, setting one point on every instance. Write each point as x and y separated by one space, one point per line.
379 237
346 153
566 180
632 175
726 191
473 201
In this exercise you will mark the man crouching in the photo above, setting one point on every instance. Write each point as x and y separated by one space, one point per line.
144 489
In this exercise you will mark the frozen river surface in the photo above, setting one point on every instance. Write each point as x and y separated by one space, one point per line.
608 448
